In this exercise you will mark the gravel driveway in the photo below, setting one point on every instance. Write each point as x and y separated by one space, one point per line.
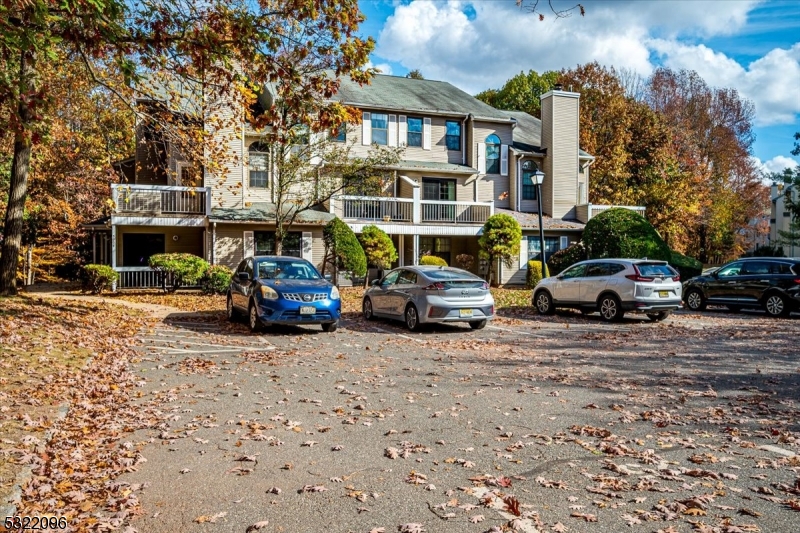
559 423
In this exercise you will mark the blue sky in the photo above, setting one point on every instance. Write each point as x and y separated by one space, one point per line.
750 45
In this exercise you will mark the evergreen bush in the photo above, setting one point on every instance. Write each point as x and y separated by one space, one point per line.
432 260
216 280
378 247
500 240
623 233
179 269
686 266
559 261
342 247
98 278
534 274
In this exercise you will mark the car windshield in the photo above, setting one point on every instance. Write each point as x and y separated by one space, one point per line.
656 269
286 270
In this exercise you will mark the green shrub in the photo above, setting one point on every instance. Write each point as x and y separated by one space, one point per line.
534 274
342 246
686 266
216 280
179 269
563 259
97 278
378 247
500 240
432 260
623 233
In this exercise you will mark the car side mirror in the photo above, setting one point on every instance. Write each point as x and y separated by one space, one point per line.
243 276
375 282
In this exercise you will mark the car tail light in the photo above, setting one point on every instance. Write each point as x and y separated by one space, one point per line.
638 277
676 277
437 286
797 280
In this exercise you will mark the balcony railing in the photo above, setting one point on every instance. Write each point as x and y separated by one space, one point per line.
161 199
138 278
410 210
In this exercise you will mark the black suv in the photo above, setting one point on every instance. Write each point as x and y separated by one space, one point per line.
771 283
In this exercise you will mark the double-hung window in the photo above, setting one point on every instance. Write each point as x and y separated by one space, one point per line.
453 135
493 154
528 187
380 128
339 135
258 154
414 137
551 246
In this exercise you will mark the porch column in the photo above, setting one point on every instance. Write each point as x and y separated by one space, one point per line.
114 252
416 216
415 259
94 247
401 242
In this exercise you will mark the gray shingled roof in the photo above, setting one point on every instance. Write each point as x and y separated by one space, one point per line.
531 221
265 212
434 165
528 133
395 92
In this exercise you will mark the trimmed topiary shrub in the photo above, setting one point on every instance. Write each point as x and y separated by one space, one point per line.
500 240
432 260
534 274
623 233
98 278
216 280
378 247
559 261
178 270
343 249
686 266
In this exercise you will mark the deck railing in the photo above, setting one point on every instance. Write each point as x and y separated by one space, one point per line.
161 199
410 210
448 212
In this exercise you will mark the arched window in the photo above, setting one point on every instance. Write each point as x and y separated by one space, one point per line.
258 156
493 154
529 168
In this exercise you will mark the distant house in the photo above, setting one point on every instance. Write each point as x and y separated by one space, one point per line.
463 162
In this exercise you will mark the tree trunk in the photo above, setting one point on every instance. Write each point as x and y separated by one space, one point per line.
278 242
18 186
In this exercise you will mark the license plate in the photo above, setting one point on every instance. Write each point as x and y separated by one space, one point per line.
308 310
465 313
663 294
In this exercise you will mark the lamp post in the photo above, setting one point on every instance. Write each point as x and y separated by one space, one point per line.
538 178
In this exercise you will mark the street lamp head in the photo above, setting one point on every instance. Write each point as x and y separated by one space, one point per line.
538 177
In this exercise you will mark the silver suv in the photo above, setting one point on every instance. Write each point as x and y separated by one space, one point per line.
612 287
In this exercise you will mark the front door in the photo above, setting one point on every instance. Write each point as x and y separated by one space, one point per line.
138 247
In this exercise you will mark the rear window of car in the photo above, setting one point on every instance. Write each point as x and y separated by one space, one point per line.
444 275
656 269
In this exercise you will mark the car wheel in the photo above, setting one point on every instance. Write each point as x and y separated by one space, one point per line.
412 318
477 324
230 310
658 317
694 300
776 305
253 321
366 308
610 308
544 303
330 327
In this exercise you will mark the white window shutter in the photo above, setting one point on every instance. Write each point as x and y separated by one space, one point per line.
249 244
426 134
366 129
315 141
504 160
564 243
392 131
307 246
523 253
402 131
481 158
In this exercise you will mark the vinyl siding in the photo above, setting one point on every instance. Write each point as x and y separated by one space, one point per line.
491 187
230 246
228 184
438 152
560 136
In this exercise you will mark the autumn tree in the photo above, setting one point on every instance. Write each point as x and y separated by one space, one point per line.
415 74
302 48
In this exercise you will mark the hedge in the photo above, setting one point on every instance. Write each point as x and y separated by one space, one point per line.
378 247
97 278
686 266
216 280
623 233
182 269
342 246
432 260
534 274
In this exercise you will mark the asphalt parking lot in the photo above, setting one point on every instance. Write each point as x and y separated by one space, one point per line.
561 423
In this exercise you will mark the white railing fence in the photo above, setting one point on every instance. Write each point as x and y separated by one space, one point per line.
161 199
456 212
377 208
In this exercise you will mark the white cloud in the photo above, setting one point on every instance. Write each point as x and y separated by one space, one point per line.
776 164
384 68
499 40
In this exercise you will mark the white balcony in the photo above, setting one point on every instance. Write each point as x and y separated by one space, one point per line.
160 200
410 210
585 212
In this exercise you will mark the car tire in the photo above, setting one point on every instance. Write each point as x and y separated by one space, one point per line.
610 308
366 309
658 317
695 301
543 303
252 318
330 327
412 318
230 310
776 305
477 324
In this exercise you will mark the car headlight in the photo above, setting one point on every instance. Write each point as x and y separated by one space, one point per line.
268 293
334 293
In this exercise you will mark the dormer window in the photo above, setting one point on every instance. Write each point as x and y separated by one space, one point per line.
529 168
493 154
258 157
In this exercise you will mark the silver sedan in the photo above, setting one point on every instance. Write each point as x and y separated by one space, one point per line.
430 294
